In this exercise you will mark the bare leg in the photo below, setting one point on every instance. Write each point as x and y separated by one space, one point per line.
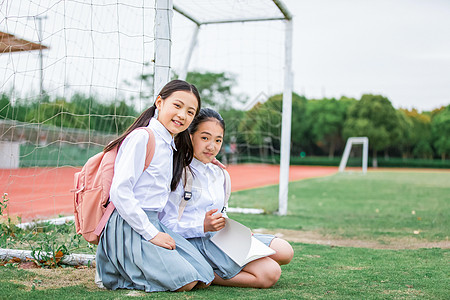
202 285
187 287
284 250
260 273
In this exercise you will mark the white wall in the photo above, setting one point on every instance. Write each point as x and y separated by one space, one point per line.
9 155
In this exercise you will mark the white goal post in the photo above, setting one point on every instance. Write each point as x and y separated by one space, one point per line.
286 17
348 147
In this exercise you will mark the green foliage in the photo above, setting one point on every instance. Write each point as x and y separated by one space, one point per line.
318 127
440 125
215 88
8 228
83 112
418 135
232 118
49 243
326 120
263 122
5 107
373 116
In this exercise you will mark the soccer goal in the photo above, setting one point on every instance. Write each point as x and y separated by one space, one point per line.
75 74
364 141
252 42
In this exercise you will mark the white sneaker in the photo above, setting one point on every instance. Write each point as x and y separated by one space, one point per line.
98 280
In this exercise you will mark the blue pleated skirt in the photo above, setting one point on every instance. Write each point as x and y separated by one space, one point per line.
125 260
221 263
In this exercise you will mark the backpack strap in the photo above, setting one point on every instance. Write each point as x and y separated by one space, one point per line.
188 179
150 147
148 159
227 188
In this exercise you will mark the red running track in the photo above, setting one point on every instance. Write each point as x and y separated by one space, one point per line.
43 193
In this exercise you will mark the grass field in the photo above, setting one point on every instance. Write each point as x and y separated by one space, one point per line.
387 208
378 205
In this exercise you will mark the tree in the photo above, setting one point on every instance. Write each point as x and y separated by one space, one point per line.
84 112
440 125
262 123
326 119
375 117
418 134
215 89
5 107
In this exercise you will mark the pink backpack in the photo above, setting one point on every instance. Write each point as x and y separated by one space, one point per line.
92 208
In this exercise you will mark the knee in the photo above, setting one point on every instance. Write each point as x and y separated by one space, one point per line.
284 250
287 254
271 276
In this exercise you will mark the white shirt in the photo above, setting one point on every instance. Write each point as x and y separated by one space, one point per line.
208 192
134 190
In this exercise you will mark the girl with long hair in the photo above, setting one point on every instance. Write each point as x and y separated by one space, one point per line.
204 215
135 250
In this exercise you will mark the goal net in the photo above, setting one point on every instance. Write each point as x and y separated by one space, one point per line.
75 74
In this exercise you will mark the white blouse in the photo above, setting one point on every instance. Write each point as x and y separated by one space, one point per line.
208 192
134 190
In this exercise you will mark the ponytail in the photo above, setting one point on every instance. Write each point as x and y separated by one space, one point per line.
182 157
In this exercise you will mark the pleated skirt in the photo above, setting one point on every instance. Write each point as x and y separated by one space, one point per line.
125 260
221 263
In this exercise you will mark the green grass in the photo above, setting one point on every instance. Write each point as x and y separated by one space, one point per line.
373 206
315 272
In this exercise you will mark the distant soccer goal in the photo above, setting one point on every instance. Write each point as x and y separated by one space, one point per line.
348 147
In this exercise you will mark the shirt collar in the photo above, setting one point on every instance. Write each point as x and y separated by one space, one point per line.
201 167
162 132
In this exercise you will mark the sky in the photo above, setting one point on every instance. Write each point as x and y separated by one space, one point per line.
399 49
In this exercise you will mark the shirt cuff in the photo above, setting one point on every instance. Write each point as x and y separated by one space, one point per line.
150 232
199 230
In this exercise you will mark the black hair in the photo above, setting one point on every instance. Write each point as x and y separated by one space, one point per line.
185 152
206 114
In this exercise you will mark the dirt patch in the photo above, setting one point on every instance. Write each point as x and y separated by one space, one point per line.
58 278
313 237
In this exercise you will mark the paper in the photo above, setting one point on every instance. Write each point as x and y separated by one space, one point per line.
237 242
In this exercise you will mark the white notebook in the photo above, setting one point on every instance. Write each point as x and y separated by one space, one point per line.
237 242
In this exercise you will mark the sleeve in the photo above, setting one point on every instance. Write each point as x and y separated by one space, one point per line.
128 168
188 226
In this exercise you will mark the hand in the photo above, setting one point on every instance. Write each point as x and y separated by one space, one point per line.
164 240
213 222
218 163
